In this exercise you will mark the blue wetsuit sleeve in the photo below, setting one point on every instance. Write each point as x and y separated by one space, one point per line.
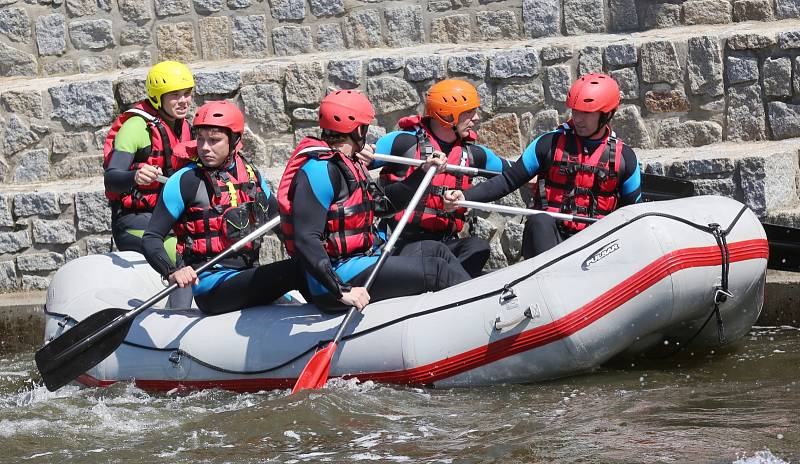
398 143
485 158
631 179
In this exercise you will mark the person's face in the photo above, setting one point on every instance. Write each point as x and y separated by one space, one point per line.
586 123
212 146
467 121
176 104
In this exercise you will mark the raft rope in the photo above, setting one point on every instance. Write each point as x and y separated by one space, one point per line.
722 290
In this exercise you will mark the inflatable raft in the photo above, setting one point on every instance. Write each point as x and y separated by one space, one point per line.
689 271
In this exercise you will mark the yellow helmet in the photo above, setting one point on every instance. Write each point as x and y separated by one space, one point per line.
165 77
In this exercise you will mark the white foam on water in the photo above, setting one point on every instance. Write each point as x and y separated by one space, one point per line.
39 394
22 427
352 385
38 455
314 455
368 441
14 373
760 457
292 434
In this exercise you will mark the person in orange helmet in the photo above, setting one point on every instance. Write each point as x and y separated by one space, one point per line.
583 168
447 128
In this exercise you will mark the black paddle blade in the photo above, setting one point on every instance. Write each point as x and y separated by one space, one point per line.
784 247
71 354
658 188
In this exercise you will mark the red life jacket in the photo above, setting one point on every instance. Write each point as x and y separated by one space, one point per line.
582 184
237 207
430 215
162 139
349 227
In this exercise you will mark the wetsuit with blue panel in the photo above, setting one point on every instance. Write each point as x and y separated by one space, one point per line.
558 158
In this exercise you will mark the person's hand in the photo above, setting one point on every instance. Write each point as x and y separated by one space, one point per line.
357 296
365 155
184 277
146 174
437 160
450 199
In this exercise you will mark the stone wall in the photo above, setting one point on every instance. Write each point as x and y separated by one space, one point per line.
57 37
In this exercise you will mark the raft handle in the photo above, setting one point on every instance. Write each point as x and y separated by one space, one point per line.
507 294
527 314
175 358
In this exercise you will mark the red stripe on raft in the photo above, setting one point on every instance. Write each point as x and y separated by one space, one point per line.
509 346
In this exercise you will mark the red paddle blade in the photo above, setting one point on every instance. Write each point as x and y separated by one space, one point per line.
315 374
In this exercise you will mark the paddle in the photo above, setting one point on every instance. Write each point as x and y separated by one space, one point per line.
784 241
96 337
315 374
451 168
522 211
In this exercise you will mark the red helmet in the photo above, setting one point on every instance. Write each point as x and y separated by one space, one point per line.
594 92
345 110
220 114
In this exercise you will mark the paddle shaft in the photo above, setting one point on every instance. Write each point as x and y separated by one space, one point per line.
451 168
523 211
129 316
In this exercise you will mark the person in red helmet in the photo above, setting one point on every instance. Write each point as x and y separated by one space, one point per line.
211 203
329 203
583 168
447 127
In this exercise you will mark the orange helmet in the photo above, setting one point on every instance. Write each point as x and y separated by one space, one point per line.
594 92
449 98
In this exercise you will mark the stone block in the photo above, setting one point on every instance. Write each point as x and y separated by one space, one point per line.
207 7
541 122
345 71
135 11
511 240
284 10
778 77
519 62
484 228
662 15
176 42
264 73
326 8
14 242
362 29
541 18
750 41
16 63
620 55
33 166
82 104
292 40
249 36
215 37
384 64
330 38
581 17
706 167
590 60
34 282
72 252
136 36
426 67
172 7
57 231
556 53
497 25
263 104
77 143
529 94
624 15
451 29
630 127
784 119
558 79
78 167
15 24
501 133
95 64
239 4
768 182
92 212
628 82
744 115
36 204
704 66
91 34
390 94
8 277
18 136
667 101
673 133
51 35
789 40
77 8
796 79
785 9
660 63
707 12
131 90
753 10
741 68
97 245
304 84
217 82
497 259
472 64
40 262
306 114
134 59
405 26
25 102
6 218
59 67
485 93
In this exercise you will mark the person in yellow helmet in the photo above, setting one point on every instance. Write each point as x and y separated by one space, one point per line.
138 150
